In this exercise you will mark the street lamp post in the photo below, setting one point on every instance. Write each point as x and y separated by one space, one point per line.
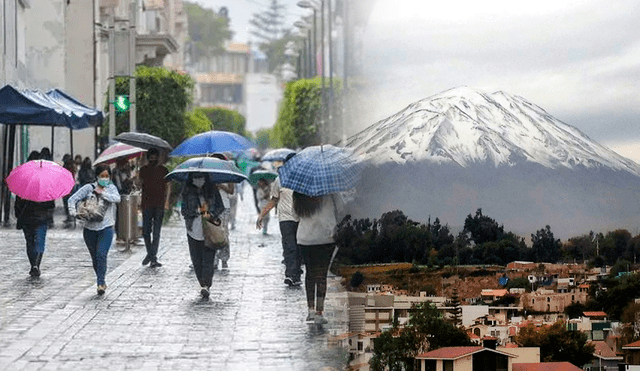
306 4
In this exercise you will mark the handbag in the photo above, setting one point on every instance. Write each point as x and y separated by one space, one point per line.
215 233
92 209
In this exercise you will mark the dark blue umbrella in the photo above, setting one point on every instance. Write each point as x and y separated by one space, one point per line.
321 170
212 142
219 171
279 154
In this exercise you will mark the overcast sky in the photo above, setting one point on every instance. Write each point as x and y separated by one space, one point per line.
579 60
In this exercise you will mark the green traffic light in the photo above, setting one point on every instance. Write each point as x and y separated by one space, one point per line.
122 103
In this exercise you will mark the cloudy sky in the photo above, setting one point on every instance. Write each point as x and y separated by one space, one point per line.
579 60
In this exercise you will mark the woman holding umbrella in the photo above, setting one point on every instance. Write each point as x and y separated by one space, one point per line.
317 175
98 235
33 218
200 198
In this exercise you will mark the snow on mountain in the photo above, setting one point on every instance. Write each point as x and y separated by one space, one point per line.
465 126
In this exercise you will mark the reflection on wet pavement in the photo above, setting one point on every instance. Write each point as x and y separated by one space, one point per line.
155 318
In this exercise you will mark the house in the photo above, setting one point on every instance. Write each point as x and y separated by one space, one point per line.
489 295
546 366
632 353
543 300
523 354
475 358
604 357
594 324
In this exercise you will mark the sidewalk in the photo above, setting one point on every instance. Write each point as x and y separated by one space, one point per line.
155 319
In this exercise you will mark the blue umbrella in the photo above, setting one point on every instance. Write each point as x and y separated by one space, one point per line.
321 170
279 154
219 171
211 142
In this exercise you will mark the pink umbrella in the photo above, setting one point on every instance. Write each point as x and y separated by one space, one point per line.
40 180
119 150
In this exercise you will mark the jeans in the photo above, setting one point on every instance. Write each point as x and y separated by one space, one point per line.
151 224
290 249
316 259
35 237
99 243
202 259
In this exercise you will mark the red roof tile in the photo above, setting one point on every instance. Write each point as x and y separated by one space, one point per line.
450 352
457 352
635 344
603 350
546 366
594 314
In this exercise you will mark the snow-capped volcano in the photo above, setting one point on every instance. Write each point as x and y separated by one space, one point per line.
465 126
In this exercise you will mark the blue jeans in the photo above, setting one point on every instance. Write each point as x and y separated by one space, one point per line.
99 243
35 237
290 249
151 224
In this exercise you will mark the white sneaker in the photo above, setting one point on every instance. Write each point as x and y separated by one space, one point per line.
311 317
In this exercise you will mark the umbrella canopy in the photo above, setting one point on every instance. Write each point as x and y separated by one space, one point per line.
211 142
261 174
119 150
143 140
321 170
219 171
279 154
40 180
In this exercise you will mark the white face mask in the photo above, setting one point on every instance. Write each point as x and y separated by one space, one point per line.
198 182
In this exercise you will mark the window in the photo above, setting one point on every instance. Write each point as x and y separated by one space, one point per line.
360 346
447 365
573 297
430 365
548 299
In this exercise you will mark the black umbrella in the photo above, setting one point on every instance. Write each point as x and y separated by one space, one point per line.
143 140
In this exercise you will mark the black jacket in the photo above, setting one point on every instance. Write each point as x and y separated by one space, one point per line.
31 213
191 202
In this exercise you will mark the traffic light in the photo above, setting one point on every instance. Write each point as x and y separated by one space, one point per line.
122 103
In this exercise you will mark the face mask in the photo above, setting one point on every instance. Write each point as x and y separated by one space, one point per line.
198 182
103 182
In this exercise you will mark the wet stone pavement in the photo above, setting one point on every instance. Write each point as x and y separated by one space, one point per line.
154 318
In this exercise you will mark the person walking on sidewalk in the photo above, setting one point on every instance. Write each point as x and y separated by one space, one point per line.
263 194
282 198
226 190
318 220
200 198
155 200
98 235
33 218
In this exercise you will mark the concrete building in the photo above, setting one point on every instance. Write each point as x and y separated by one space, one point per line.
543 300
221 78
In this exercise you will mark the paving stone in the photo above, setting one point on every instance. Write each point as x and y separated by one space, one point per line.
155 319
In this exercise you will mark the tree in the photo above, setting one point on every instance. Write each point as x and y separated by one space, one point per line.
456 310
267 26
395 349
226 120
631 321
298 120
356 279
207 30
196 122
545 247
482 228
162 97
574 310
557 344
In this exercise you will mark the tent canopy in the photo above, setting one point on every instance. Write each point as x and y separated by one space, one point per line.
53 108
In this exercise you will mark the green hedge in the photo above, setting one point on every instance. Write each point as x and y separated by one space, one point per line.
226 120
162 97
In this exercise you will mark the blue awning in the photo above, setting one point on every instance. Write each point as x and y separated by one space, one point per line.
53 108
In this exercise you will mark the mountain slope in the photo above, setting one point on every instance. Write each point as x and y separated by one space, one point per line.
464 126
